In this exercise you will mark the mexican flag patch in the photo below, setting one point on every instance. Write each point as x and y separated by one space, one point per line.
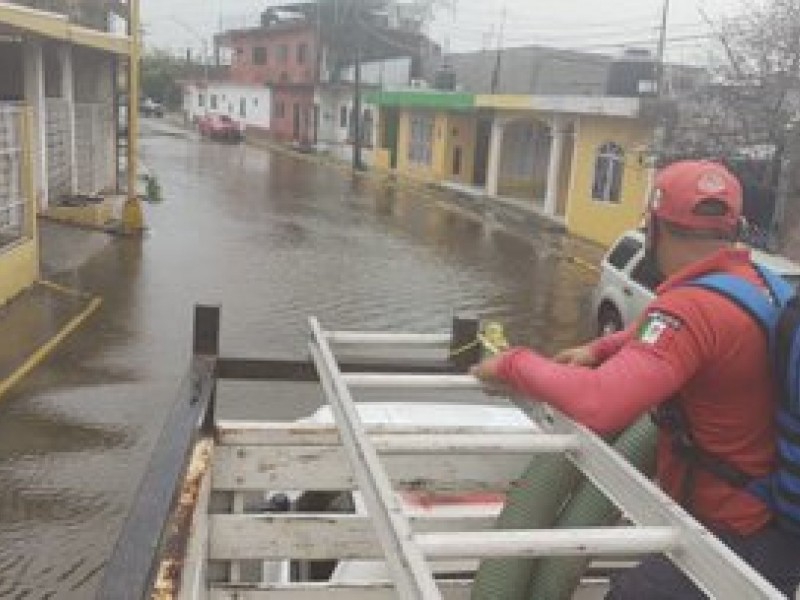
654 325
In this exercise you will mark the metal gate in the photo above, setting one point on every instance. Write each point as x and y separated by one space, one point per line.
59 148
12 194
93 143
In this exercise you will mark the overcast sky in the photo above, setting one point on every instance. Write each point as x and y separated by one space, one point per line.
473 24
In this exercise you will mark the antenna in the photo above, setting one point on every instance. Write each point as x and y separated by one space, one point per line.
662 45
498 60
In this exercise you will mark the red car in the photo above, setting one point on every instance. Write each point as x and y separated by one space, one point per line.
220 127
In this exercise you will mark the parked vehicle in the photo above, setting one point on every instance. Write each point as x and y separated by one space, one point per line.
220 127
626 288
151 108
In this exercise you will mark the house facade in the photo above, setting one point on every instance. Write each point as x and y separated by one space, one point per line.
576 159
58 126
248 104
311 82
285 58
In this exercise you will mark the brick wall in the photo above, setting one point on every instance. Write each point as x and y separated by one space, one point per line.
274 56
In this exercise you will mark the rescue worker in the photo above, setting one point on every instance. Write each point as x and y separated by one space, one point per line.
694 355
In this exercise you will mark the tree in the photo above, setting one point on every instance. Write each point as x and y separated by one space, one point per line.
161 74
749 105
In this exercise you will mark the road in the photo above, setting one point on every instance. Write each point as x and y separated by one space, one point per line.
272 239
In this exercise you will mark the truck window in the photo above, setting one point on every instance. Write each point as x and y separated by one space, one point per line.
623 252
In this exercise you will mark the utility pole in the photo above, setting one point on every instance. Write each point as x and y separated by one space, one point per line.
357 142
659 135
498 58
662 46
132 219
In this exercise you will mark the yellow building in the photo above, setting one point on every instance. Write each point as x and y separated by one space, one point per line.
580 161
57 128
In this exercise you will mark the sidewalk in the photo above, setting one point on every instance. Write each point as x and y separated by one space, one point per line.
506 211
34 323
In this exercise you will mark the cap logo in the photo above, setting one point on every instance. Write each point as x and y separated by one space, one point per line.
711 183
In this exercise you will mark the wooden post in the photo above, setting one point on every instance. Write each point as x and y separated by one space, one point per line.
206 343
465 350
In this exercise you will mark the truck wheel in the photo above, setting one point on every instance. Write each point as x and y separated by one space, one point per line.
608 320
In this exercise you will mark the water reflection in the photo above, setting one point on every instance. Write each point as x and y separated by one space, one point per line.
272 239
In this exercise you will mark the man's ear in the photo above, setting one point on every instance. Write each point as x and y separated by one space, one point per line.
741 229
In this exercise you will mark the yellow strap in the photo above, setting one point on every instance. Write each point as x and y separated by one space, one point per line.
492 338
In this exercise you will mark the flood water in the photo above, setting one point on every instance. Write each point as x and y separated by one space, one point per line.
272 239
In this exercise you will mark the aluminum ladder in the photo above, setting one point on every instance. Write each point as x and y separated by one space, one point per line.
658 524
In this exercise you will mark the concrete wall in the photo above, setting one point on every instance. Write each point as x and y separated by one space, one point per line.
19 268
394 72
11 73
453 133
94 76
332 101
604 221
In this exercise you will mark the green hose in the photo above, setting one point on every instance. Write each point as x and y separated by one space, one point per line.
533 502
551 494
557 578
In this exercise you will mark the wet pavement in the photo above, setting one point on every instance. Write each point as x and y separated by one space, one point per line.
272 239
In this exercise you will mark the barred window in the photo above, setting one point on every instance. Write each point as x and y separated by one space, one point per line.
608 172
420 149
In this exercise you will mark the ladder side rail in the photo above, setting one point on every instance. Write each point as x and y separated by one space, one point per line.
410 572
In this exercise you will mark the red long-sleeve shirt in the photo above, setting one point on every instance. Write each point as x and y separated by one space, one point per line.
693 344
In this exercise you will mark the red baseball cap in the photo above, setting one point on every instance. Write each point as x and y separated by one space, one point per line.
698 194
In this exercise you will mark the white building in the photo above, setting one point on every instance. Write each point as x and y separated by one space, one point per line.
336 125
250 105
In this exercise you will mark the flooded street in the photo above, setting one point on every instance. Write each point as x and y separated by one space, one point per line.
272 239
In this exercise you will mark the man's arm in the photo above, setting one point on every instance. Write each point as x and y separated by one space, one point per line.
605 399
607 346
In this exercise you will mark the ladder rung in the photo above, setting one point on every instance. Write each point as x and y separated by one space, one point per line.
386 380
558 542
469 443
363 337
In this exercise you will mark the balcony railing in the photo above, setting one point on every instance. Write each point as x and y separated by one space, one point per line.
94 14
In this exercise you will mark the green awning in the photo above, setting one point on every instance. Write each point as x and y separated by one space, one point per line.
422 99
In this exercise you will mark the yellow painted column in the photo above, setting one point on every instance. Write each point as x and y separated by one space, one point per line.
132 219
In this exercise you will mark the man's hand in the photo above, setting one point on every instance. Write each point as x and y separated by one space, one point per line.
581 356
487 370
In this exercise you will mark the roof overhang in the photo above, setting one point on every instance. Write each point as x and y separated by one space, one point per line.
607 106
24 20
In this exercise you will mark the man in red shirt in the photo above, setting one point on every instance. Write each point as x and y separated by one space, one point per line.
696 353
